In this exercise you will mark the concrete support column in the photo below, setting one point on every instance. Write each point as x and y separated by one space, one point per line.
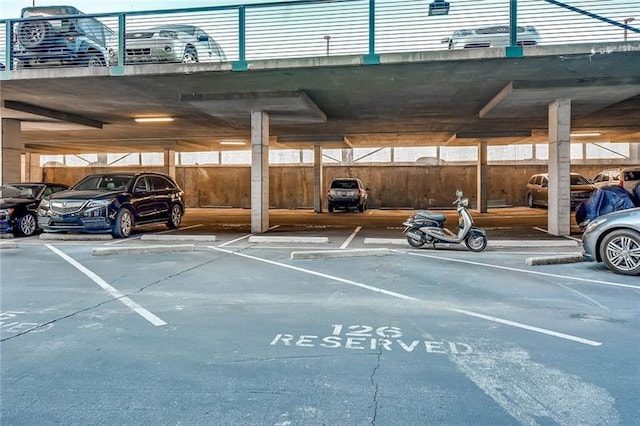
259 171
482 183
347 156
32 169
170 162
10 151
559 213
634 152
317 178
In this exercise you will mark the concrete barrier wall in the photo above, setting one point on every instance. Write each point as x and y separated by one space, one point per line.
391 186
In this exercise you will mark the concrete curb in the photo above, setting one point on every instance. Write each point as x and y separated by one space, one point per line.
325 254
491 243
6 246
7 236
555 260
265 239
107 251
54 236
174 237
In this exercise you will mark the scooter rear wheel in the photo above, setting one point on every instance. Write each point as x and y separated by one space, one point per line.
476 242
414 242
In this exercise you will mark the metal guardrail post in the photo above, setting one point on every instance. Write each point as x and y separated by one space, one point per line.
118 69
241 63
513 50
372 58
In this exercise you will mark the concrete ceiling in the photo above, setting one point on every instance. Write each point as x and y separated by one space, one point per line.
409 99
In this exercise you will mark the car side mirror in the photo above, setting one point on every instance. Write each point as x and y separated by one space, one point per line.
544 185
367 189
203 37
445 40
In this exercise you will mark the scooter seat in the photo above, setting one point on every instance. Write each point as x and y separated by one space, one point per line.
424 214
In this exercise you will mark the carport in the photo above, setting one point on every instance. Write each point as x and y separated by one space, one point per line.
470 98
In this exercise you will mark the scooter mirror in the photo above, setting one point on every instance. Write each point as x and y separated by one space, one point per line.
459 193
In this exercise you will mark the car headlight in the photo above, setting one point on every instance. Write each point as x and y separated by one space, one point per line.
594 224
7 212
98 203
44 205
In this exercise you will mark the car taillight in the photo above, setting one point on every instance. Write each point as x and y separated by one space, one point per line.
621 183
361 192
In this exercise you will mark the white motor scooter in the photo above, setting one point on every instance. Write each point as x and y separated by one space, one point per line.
424 227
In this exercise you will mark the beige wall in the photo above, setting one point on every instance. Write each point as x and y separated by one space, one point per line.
291 187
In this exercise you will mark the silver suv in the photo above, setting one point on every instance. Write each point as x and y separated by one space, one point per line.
172 43
68 40
491 36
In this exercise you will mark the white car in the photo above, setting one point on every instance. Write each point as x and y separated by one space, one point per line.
491 36
171 43
625 178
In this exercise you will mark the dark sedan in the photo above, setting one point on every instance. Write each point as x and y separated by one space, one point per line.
114 203
18 204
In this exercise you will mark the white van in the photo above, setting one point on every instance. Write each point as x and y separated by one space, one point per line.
492 36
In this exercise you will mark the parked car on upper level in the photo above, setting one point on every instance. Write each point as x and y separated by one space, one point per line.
18 203
61 37
624 177
491 36
345 193
113 203
614 239
538 190
172 43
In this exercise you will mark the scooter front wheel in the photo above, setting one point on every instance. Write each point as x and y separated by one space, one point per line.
476 242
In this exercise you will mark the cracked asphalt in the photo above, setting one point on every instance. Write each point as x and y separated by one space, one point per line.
235 333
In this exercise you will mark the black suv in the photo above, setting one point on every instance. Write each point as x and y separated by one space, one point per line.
113 203
344 193
68 41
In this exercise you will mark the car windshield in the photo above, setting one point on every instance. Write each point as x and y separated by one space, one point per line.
632 175
19 191
344 184
579 180
104 183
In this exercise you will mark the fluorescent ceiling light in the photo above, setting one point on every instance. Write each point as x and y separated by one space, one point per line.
154 119
233 143
586 134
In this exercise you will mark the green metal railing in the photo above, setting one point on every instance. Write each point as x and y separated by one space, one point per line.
317 28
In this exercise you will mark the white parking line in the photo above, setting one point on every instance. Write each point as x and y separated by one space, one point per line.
526 271
405 297
109 289
351 237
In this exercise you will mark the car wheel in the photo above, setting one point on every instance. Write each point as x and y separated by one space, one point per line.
476 242
620 251
175 217
330 207
27 225
92 60
530 200
124 223
190 56
33 34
